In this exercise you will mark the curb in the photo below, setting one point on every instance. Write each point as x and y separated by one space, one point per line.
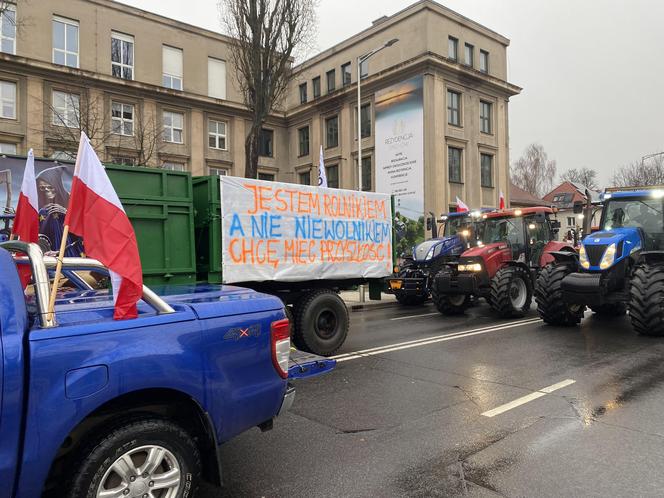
370 306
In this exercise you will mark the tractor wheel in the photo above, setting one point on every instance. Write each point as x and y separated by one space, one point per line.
646 305
549 297
411 300
610 310
450 304
511 292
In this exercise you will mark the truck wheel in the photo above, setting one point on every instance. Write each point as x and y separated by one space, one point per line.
149 457
511 292
295 338
646 305
450 304
405 300
549 297
321 321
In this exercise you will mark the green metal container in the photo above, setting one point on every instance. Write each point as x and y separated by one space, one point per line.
207 222
160 206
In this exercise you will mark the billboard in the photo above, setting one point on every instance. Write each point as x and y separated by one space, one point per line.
400 152
53 187
285 232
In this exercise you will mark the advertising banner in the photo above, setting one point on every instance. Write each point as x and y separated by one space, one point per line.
400 153
286 232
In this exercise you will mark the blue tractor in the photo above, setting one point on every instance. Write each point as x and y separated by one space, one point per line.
411 284
618 268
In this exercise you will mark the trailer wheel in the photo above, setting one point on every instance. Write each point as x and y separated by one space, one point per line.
511 292
450 304
150 457
646 305
610 310
321 321
549 297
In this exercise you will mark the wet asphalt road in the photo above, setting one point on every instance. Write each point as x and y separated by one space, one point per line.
407 420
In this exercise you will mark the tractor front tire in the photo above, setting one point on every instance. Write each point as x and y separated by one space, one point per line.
549 297
410 300
511 292
449 304
646 304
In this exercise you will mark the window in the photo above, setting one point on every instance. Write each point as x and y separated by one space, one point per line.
453 48
173 166
303 141
7 100
216 78
485 116
315 83
218 171
486 173
364 68
268 177
365 123
65 42
332 174
173 126
345 74
217 134
172 67
484 61
63 155
303 93
331 80
304 178
571 221
454 108
122 56
122 119
6 148
469 55
65 109
366 174
8 30
123 160
265 142
454 164
332 132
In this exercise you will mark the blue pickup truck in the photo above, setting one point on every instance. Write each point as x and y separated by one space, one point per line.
91 407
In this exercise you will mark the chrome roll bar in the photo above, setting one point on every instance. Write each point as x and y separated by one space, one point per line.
40 265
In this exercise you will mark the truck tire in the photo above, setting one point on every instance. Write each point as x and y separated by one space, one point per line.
450 304
511 292
646 304
549 297
142 456
321 322
609 310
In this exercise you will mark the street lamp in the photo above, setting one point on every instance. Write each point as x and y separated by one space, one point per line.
650 156
360 60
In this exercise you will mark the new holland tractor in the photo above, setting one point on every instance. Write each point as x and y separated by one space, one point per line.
514 246
411 283
619 267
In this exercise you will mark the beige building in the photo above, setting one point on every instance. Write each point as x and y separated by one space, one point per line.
151 90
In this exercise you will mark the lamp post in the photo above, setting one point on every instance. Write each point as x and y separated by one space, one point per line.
650 156
360 60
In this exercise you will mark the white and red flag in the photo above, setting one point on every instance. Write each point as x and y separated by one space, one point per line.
26 221
461 206
501 201
96 215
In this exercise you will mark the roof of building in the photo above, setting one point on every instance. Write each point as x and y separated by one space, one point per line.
520 197
577 191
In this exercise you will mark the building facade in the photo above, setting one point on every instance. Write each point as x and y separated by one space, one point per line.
155 91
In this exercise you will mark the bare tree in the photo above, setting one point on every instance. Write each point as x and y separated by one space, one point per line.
266 35
640 173
584 176
534 172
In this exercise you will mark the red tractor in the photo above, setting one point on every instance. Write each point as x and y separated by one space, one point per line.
514 246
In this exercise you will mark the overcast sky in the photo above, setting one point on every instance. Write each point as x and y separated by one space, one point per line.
592 71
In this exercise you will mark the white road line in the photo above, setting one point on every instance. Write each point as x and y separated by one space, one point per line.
432 340
414 316
527 398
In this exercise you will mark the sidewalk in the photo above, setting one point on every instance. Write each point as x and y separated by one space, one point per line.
352 300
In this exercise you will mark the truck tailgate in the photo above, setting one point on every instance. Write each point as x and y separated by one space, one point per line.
303 365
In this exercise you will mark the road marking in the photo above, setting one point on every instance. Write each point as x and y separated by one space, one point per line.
527 398
414 316
432 340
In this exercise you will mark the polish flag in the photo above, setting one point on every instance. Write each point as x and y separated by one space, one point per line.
322 176
461 206
26 222
501 201
96 215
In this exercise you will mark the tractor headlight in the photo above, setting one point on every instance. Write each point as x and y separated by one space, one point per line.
609 257
583 257
470 267
465 233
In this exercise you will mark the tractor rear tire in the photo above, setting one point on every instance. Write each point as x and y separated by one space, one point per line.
549 297
321 322
646 305
511 292
450 304
610 310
